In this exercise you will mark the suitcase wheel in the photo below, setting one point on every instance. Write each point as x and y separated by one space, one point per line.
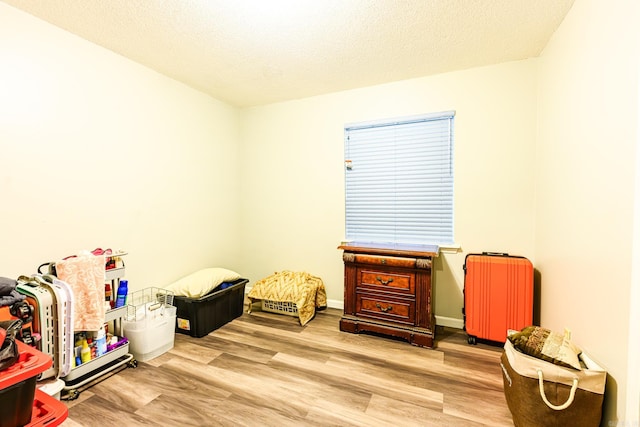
471 340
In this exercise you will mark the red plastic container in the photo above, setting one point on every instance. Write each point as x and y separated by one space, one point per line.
18 386
47 411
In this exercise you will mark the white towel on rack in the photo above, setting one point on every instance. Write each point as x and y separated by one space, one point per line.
86 276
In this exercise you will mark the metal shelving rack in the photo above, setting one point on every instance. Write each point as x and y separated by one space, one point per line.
89 373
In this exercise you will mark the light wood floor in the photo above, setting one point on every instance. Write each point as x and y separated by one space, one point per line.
265 369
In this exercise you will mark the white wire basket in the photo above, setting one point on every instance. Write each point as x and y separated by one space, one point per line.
148 303
150 322
280 307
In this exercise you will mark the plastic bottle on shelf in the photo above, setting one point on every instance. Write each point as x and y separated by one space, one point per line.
107 296
94 349
121 298
101 342
85 353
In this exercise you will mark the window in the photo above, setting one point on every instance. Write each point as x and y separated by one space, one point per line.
399 180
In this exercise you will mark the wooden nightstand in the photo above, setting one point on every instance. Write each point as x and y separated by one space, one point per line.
388 290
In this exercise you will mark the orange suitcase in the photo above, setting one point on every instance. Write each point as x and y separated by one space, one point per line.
498 295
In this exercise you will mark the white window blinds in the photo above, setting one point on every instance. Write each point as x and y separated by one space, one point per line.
399 180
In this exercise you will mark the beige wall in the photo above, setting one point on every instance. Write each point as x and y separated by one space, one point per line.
292 183
97 150
586 167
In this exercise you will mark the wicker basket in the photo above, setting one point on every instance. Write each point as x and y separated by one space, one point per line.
280 307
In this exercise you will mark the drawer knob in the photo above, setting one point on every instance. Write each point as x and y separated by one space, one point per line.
382 309
384 282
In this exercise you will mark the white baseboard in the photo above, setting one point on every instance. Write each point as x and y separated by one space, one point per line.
450 322
334 303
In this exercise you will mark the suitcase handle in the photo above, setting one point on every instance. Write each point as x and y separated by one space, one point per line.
496 253
566 404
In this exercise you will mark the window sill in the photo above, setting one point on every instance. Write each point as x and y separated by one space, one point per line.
452 248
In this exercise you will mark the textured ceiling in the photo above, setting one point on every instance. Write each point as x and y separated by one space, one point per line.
254 52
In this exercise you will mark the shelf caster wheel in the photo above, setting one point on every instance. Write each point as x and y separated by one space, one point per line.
133 363
471 340
72 395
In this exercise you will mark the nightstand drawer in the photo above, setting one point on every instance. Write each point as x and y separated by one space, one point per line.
385 261
387 281
380 307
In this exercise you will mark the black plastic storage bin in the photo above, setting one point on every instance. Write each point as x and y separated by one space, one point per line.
199 316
